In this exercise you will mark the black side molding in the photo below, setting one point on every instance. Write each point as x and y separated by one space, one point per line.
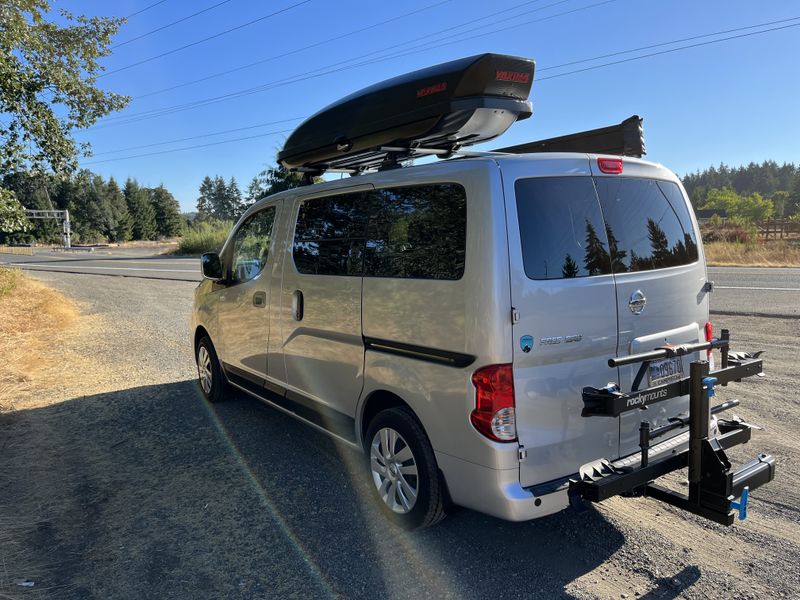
433 355
328 418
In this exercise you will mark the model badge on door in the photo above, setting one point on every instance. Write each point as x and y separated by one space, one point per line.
526 343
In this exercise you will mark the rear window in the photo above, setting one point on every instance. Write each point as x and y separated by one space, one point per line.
561 228
647 224
579 226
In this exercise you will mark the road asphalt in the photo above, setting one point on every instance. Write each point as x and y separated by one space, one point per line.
770 292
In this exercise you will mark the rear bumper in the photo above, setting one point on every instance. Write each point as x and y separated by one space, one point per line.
496 492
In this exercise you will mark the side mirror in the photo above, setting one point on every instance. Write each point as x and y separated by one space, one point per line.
211 265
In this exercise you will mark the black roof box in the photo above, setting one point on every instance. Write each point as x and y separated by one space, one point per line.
433 110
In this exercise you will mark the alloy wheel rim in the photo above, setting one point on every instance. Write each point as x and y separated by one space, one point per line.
204 369
394 470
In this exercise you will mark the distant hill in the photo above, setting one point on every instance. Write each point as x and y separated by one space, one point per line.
765 178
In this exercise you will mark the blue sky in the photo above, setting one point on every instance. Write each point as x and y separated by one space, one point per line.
735 101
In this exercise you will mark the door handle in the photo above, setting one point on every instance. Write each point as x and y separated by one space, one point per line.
260 299
297 305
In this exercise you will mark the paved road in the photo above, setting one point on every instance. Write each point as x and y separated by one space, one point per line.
125 263
739 291
755 291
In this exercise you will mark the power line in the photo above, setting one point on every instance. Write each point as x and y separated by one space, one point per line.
153 5
289 53
687 39
651 54
157 29
573 72
335 68
195 137
205 39
249 137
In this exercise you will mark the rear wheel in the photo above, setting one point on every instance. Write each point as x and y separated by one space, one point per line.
403 469
209 371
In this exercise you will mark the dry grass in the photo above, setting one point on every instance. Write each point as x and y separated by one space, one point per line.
763 254
31 317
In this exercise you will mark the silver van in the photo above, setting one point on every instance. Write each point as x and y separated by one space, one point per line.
444 318
503 331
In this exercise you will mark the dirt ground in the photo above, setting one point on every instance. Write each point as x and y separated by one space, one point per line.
118 481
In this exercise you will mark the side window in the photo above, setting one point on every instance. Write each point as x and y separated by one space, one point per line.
417 232
330 235
647 224
561 228
251 245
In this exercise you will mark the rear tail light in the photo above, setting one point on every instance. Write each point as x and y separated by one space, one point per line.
612 166
709 352
494 414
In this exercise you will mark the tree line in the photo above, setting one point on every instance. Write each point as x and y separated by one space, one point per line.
752 192
223 201
100 210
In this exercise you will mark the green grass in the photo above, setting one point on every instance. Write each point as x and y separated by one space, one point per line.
204 236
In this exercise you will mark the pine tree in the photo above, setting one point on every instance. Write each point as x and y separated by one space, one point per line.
142 213
235 206
167 212
662 257
255 190
617 256
596 260
121 229
219 199
793 204
205 203
570 268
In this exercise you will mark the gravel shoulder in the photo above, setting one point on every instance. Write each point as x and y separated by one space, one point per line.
141 490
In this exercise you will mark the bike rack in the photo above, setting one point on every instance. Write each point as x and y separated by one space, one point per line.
716 491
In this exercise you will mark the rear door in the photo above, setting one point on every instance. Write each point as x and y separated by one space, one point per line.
660 278
565 303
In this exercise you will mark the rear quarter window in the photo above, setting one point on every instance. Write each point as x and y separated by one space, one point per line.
417 232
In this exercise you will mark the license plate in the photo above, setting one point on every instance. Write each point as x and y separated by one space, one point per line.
665 371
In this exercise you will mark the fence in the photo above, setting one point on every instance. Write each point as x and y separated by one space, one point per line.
23 250
779 229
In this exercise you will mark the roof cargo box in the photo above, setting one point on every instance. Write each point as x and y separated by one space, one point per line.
440 108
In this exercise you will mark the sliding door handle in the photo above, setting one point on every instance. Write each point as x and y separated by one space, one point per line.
260 299
297 305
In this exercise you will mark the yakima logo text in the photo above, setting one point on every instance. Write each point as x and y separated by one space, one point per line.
431 89
515 76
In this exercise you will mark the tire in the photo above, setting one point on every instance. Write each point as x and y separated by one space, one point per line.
209 371
396 448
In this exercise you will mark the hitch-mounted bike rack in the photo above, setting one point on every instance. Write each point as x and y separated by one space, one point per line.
716 491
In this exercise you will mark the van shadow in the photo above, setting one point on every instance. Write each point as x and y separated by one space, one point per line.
151 492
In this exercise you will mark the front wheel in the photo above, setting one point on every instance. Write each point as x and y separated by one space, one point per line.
209 371
403 468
